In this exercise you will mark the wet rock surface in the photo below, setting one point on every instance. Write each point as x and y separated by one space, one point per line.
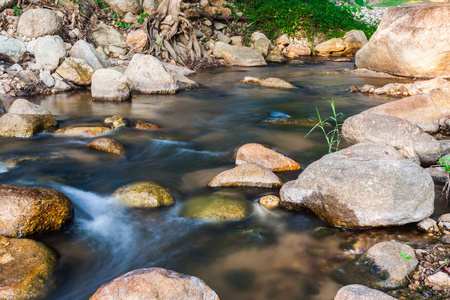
29 210
155 283
143 194
26 266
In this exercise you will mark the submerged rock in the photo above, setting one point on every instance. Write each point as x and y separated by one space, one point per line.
270 201
143 194
360 292
277 83
108 145
26 266
115 122
25 119
392 131
216 206
144 125
250 175
268 158
89 131
148 76
383 266
401 44
157 284
363 186
29 210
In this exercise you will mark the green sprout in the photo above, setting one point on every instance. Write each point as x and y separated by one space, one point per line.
404 256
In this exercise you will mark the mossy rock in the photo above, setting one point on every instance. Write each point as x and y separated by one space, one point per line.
25 267
30 210
143 194
216 206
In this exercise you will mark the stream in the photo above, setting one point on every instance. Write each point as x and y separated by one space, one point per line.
275 254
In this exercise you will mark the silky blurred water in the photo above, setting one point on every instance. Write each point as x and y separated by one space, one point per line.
270 255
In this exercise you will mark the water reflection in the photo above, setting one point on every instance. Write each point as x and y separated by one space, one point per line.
270 255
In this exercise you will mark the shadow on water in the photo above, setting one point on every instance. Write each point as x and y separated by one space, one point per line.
270 255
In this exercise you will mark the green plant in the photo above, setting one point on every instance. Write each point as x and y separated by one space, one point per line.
334 136
444 163
122 24
310 17
115 16
404 256
142 17
158 42
17 10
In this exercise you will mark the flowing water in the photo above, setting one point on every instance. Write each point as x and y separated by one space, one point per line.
270 255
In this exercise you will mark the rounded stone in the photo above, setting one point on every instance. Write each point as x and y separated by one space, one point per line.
155 284
29 210
25 267
38 22
143 194
108 145
216 206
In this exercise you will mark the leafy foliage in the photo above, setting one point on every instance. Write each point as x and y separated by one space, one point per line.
142 17
17 10
404 256
275 17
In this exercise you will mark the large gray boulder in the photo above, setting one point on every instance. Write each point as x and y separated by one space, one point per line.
109 84
392 131
363 186
411 40
157 284
12 50
25 119
50 51
243 56
360 292
383 266
419 110
148 76
85 51
39 22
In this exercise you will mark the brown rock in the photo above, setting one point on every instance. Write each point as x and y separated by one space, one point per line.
143 194
107 145
354 40
115 122
249 79
277 83
330 46
212 10
268 158
28 210
18 125
296 49
76 70
155 284
225 11
218 3
251 175
89 131
144 125
270 201
440 279
411 40
137 40
191 14
26 265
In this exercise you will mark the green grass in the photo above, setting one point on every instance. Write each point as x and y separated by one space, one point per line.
389 3
312 18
